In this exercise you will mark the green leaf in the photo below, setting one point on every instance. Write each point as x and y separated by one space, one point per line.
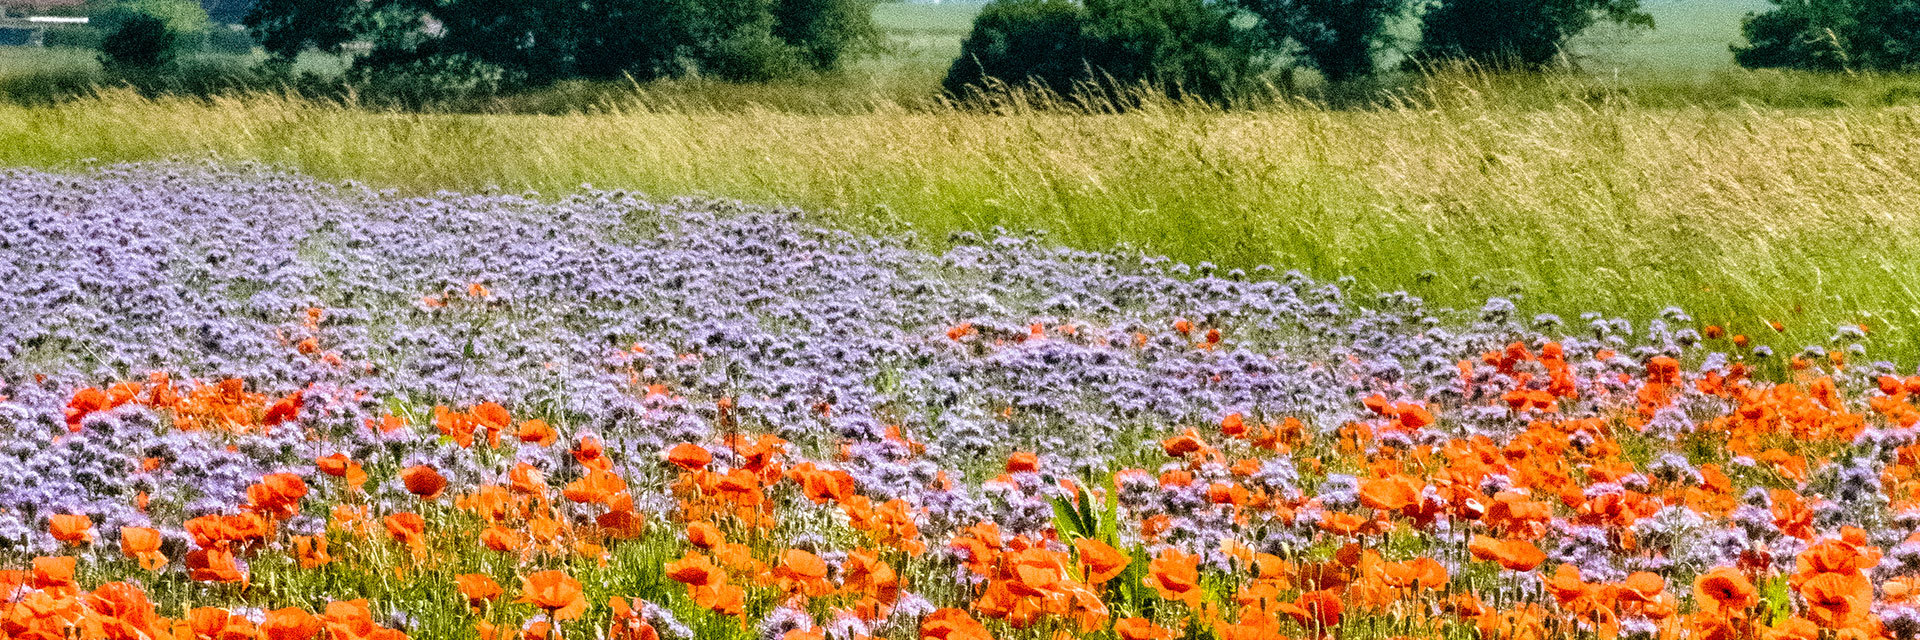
1066 521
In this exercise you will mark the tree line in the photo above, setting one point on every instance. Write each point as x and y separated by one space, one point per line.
1207 49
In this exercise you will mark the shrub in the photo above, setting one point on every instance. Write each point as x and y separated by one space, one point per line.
139 42
1187 48
1515 34
1833 35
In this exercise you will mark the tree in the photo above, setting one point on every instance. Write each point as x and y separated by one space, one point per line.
827 32
1022 42
147 34
138 42
1339 38
1833 35
1187 48
535 42
1516 34
1190 48
185 18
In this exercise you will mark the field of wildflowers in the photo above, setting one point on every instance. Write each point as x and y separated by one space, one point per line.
241 404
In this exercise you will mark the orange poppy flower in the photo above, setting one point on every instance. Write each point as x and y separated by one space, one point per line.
408 528
689 456
502 539
290 624
478 588
423 481
1517 555
1340 523
1141 629
1023 461
334 465
285 409
53 572
721 598
864 572
1724 590
802 572
695 570
1392 493
1796 628
704 535
350 619
311 551
527 479
492 415
1102 561
556 592
1175 576
537 432
71 529
1183 444
1642 586
1317 608
143 544
1837 601
213 565
952 624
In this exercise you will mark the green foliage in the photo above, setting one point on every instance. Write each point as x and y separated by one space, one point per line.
1023 42
1084 517
1833 35
184 17
139 42
145 35
1516 34
1187 48
827 32
286 27
1339 38
539 42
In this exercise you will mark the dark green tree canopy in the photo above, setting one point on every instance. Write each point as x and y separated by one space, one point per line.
1833 35
540 41
1187 48
1341 39
138 42
1516 34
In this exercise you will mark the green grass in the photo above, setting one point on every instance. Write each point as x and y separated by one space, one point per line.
1741 216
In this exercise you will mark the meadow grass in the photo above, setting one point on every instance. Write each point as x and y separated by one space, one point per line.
1739 215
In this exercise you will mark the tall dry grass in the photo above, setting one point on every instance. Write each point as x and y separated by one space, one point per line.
1739 215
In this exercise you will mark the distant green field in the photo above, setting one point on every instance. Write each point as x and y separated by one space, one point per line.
1688 35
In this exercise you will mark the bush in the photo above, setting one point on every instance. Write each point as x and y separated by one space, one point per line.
1515 34
1833 35
1186 48
139 42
